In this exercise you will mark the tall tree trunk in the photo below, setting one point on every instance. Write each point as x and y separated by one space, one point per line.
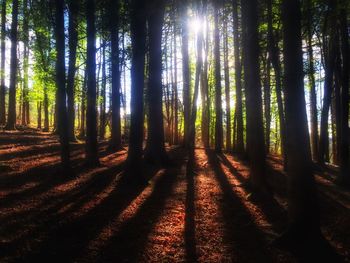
329 58
60 84
175 88
267 105
275 60
115 142
255 128
217 70
73 6
199 64
185 71
227 88
238 139
138 39
91 115
311 74
155 150
344 177
46 110
11 117
39 114
83 107
103 93
2 64
25 94
304 225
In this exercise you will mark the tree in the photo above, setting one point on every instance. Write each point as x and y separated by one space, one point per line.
2 64
255 129
185 70
91 115
73 6
11 117
61 83
238 141
138 39
304 225
217 68
155 150
115 142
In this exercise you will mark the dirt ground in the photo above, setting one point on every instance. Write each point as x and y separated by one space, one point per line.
196 210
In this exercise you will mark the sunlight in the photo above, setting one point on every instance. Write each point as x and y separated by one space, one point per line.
195 24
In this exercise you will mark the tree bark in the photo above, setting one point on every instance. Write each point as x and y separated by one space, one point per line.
11 117
91 115
255 129
227 88
155 149
2 64
115 142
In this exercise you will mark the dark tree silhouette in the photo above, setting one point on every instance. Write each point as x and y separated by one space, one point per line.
115 142
138 38
11 117
91 115
2 64
61 83
155 150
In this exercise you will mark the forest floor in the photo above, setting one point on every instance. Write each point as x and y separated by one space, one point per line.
196 210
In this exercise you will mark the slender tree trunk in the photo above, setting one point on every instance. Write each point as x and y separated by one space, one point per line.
103 93
217 69
60 84
25 94
227 89
138 39
115 142
175 88
46 110
73 6
255 128
199 64
275 60
238 139
313 99
344 177
267 106
11 118
185 71
155 150
330 54
91 115
2 66
39 114
83 107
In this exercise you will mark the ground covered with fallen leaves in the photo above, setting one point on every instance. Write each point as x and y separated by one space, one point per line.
195 210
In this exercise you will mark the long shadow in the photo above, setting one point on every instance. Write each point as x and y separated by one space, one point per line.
65 238
275 214
190 228
129 242
245 238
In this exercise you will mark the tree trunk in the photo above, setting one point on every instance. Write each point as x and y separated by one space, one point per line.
2 66
138 39
217 72
227 89
39 114
11 117
60 84
303 210
175 88
255 128
311 71
115 142
155 150
91 115
267 105
46 110
238 139
185 71
103 93
73 6
25 94
344 177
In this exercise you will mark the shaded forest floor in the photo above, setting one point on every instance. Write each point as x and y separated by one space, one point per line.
194 210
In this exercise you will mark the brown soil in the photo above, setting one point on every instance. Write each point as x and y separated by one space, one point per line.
196 210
